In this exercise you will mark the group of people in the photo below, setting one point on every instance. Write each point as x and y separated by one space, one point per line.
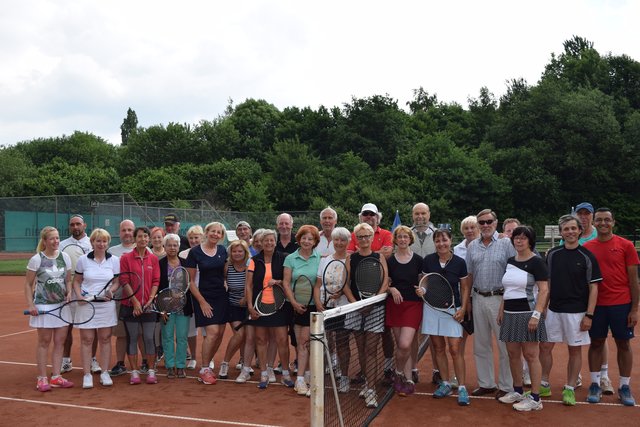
575 294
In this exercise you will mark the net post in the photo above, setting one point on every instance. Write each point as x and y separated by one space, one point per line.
316 359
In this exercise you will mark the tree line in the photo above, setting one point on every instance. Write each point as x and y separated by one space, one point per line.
533 153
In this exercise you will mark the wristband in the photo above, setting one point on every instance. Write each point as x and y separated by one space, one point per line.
590 316
535 314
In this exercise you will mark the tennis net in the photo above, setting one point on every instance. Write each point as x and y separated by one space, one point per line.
348 384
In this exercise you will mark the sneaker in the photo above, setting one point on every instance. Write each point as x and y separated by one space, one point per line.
463 397
569 397
287 381
398 383
105 379
144 368
409 387
293 366
363 392
545 390
358 379
239 364
264 382
443 390
271 374
526 379
43 384
95 366
60 382
528 404
117 370
624 394
606 386
344 384
135 377
436 378
579 381
151 377
454 382
212 365
251 371
370 398
224 371
389 377
192 364
181 373
595 392
415 376
66 367
87 381
301 387
206 376
171 373
278 369
243 377
511 397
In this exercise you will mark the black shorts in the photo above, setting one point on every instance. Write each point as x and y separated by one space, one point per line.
304 319
614 317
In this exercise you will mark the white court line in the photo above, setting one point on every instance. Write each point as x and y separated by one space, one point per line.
18 333
543 401
147 414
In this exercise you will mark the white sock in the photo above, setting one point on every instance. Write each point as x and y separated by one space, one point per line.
624 381
595 377
604 370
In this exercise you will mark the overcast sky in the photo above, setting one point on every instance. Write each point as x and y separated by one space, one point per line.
78 65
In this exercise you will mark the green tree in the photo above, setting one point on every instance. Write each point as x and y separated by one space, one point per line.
77 148
128 126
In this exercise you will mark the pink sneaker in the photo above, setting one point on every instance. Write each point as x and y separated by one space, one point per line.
151 377
135 377
43 384
206 376
60 382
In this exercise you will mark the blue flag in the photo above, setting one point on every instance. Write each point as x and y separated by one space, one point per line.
396 221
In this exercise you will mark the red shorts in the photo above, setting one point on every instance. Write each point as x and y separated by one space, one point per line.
407 313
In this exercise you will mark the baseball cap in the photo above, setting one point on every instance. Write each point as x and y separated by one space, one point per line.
369 207
245 223
585 205
171 218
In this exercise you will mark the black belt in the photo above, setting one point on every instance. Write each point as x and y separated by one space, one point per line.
489 293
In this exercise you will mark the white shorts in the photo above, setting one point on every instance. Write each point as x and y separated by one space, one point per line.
48 320
373 321
565 327
437 323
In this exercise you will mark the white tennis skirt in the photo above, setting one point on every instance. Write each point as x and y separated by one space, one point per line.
47 320
105 316
435 322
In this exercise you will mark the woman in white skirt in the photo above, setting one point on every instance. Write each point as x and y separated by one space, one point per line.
521 323
93 272
47 285
445 329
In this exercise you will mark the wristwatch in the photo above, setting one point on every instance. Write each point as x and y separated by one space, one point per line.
590 316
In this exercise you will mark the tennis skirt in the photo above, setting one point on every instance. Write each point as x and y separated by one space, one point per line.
219 306
104 317
515 328
435 322
47 320
304 319
405 314
236 313
280 318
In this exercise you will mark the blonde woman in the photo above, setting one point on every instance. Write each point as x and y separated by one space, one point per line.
47 285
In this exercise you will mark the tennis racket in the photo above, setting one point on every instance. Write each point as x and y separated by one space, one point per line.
74 251
74 312
168 301
179 280
369 277
438 293
303 290
268 302
128 283
334 279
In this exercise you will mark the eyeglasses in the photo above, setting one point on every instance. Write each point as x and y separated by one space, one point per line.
364 236
520 237
486 222
368 213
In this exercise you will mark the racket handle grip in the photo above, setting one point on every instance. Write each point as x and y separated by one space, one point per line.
27 312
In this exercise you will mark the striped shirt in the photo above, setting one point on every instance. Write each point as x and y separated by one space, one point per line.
235 284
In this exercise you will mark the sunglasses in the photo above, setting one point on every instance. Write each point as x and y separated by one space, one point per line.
368 213
486 222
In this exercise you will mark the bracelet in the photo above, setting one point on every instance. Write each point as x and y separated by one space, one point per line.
536 314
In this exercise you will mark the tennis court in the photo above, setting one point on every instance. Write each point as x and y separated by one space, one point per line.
187 402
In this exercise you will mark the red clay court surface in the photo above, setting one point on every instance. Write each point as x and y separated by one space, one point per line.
187 402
